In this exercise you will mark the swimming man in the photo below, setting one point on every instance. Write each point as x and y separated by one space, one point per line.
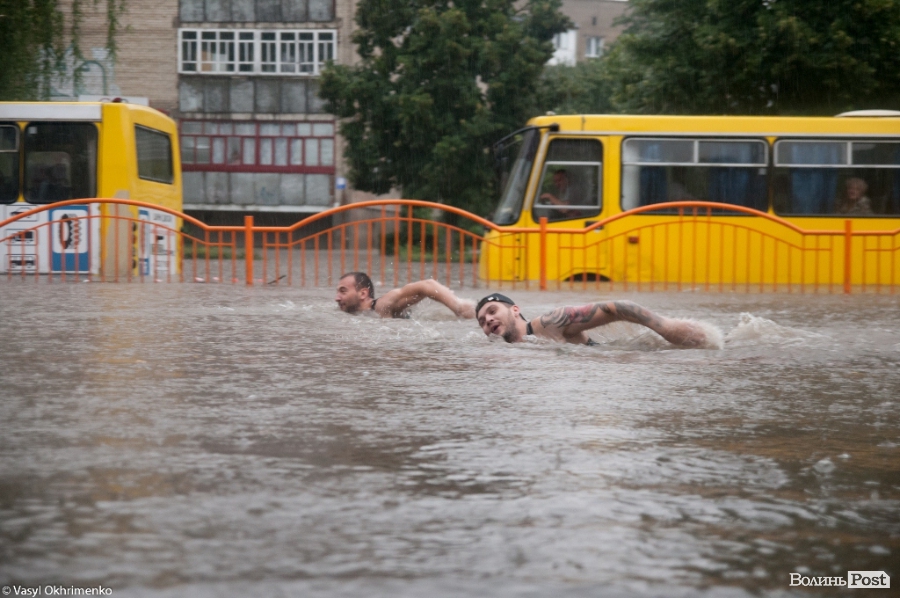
499 315
356 294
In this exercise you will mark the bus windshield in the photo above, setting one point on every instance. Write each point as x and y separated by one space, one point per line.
514 159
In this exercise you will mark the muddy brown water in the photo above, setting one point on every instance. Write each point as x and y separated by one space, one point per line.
208 440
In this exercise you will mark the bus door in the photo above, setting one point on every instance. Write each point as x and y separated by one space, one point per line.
570 195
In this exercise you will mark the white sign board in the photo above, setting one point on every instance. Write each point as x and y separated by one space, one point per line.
55 240
157 244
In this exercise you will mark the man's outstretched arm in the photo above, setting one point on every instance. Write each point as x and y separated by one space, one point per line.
397 300
570 323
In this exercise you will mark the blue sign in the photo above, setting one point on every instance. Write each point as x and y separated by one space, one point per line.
70 239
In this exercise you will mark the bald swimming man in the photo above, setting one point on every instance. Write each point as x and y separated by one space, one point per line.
499 315
356 294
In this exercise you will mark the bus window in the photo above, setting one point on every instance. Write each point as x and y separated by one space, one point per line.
9 163
513 161
571 181
60 161
731 171
842 178
154 155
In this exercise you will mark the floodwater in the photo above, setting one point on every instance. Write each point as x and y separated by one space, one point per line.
210 440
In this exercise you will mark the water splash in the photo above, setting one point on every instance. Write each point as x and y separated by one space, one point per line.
751 329
633 337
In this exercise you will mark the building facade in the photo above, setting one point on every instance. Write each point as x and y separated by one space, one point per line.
594 30
241 78
253 129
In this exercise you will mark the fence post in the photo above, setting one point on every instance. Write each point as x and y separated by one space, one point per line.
848 246
543 252
248 248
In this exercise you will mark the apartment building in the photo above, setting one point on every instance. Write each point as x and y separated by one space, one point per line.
241 78
594 29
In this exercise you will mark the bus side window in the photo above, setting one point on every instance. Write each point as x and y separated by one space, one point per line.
876 175
570 184
837 177
726 170
154 155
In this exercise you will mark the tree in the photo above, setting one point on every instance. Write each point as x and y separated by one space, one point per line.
757 57
34 38
580 89
438 82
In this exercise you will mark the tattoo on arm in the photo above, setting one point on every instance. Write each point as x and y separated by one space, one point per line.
616 310
563 316
632 312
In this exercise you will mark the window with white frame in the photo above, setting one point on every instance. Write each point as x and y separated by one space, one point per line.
593 47
840 177
564 48
727 170
240 51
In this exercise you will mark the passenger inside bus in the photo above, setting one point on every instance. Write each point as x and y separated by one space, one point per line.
559 192
852 192
564 186
854 200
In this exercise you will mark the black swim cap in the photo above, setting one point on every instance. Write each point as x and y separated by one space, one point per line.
493 297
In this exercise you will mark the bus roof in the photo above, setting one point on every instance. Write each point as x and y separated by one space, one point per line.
31 111
617 124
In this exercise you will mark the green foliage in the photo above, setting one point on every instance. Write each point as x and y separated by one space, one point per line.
30 35
756 57
437 84
34 38
580 89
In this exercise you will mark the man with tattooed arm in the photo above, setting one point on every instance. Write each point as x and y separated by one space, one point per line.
499 315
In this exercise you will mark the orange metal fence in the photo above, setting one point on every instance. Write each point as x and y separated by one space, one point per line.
670 247
709 246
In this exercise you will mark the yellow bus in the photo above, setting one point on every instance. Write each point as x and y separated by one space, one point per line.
826 175
51 152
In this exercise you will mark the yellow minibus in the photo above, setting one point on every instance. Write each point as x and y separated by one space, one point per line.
773 179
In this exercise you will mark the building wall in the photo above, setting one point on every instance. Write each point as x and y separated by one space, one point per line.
146 60
593 18
147 53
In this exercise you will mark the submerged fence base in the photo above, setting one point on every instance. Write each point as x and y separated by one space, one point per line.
679 246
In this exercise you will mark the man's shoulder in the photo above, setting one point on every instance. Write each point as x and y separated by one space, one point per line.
388 299
386 305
